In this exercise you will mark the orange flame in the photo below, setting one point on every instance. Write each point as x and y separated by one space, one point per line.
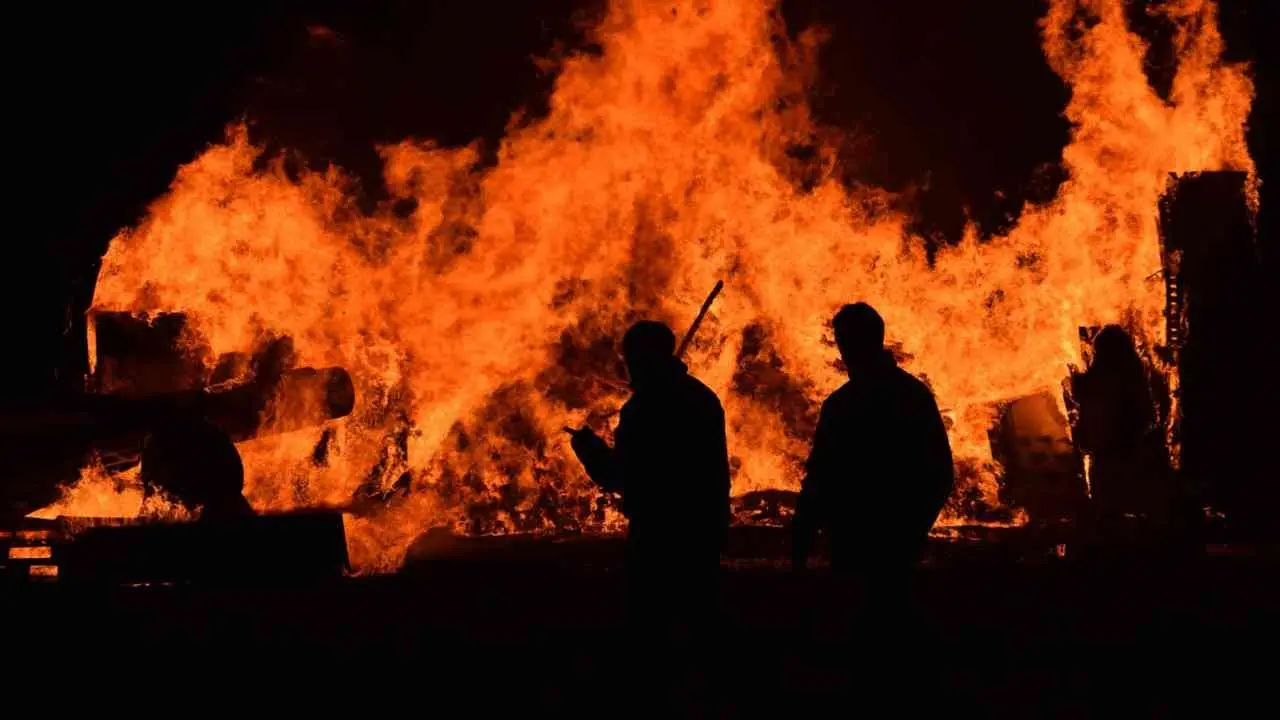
478 324
98 493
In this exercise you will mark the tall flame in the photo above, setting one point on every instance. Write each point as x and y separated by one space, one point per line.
481 321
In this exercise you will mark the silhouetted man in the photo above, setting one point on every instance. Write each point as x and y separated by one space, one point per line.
880 469
669 462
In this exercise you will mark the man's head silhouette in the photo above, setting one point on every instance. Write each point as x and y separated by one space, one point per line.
648 348
859 333
1113 343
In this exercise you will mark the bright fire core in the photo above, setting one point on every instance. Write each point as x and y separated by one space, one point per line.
482 321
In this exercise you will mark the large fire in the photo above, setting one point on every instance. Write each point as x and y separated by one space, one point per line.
481 321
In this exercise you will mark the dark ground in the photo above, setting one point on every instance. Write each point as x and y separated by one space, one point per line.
540 626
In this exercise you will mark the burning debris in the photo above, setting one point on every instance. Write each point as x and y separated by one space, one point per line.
1043 473
153 393
475 325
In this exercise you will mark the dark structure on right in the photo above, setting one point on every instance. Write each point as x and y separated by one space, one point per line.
881 467
1221 325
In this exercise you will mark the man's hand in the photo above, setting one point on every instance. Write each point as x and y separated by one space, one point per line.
597 458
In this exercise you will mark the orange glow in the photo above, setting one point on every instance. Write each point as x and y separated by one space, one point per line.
659 170
97 494
30 552
102 495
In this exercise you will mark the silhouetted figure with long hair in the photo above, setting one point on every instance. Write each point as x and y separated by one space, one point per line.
670 464
1117 428
880 468
197 464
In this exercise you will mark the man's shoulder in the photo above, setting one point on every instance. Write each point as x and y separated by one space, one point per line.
846 393
845 400
688 393
915 390
913 383
899 384
700 393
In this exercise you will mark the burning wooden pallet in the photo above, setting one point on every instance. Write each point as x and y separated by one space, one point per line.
28 553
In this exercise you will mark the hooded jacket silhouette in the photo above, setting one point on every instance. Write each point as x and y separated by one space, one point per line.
1117 427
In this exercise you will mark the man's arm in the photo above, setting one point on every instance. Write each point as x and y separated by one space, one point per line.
939 464
722 474
598 459
809 506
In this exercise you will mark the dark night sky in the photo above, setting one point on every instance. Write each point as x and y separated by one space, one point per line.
104 103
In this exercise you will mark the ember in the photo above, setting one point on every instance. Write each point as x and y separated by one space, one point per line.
479 323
